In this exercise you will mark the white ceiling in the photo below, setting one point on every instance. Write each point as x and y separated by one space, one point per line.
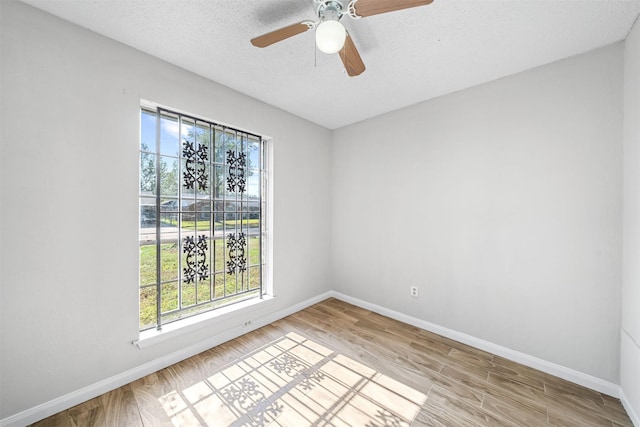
411 55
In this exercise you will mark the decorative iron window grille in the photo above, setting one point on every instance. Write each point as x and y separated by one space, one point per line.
201 216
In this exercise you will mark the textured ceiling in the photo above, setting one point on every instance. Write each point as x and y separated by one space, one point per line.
411 55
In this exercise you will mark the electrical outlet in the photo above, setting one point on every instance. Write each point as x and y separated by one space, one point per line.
247 323
414 291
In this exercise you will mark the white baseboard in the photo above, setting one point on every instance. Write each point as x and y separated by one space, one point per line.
568 374
69 400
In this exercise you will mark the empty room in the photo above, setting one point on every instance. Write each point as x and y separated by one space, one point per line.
320 213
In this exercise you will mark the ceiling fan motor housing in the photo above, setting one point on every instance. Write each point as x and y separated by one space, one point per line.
330 10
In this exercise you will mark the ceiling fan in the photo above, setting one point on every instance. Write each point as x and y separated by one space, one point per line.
331 36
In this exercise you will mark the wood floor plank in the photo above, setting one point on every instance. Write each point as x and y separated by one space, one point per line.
60 419
420 362
524 376
117 407
459 362
457 391
615 411
577 395
519 414
505 395
504 366
525 395
90 412
454 404
455 344
566 416
336 364
434 416
148 392
121 408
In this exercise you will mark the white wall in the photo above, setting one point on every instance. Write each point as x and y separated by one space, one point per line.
630 335
502 203
69 250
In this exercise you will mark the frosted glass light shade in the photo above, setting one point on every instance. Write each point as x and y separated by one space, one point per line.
330 36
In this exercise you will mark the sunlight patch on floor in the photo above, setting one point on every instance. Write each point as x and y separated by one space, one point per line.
294 381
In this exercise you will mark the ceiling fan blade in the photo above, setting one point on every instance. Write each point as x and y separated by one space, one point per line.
351 58
281 34
373 7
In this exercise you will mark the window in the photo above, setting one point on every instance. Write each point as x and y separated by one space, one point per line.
202 208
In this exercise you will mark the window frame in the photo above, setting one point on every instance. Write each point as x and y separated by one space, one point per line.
215 306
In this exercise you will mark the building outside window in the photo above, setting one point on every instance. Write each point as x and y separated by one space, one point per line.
202 216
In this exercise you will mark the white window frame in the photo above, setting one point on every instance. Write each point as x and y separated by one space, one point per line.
242 311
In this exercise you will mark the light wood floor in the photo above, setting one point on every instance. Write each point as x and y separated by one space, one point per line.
335 364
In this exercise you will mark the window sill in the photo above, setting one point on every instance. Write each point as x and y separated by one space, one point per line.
188 325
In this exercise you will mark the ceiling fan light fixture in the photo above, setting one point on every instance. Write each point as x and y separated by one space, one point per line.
330 36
